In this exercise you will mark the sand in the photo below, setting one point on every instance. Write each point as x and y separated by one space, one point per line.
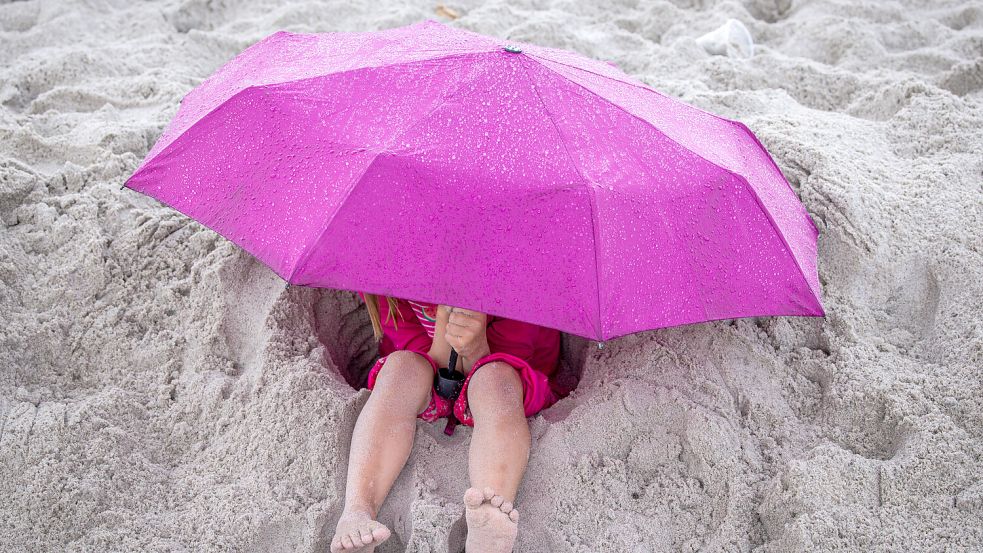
160 390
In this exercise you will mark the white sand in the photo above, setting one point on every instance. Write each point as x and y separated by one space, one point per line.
161 391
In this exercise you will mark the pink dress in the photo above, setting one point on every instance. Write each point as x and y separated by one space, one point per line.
533 351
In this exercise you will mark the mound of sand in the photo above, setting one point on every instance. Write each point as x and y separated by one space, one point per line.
161 390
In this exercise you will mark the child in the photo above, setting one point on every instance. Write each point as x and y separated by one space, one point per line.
516 360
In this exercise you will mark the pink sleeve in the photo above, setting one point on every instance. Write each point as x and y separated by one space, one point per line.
515 339
407 332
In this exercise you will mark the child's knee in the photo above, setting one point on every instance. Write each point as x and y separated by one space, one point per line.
495 382
405 373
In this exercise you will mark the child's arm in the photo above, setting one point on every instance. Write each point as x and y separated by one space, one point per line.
440 350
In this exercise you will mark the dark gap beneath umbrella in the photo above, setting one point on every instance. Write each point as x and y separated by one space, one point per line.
343 327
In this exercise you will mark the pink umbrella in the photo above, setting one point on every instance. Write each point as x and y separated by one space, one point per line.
439 165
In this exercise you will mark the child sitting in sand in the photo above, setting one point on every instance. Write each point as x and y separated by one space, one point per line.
515 360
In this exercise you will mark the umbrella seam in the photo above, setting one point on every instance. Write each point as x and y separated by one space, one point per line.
697 108
593 203
461 53
602 75
307 254
640 85
747 185
265 86
775 229
171 145
775 165
306 257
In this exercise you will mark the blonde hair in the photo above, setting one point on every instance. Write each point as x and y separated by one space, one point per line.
372 305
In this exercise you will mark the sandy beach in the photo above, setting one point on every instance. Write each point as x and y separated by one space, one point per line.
161 390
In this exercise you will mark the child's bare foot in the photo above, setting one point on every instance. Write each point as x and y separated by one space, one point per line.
356 531
492 522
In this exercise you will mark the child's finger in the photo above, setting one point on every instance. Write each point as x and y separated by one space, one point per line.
468 312
475 318
461 320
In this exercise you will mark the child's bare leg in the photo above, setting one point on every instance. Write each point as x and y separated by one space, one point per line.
497 459
381 443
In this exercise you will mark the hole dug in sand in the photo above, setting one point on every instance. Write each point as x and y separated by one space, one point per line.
343 327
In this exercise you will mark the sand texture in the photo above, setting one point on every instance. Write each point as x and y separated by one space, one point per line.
160 390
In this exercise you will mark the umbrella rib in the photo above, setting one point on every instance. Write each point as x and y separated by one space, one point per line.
578 68
773 164
741 178
455 54
595 228
640 85
443 100
274 85
647 88
310 251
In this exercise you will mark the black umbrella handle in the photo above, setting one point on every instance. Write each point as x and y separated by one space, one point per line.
448 381
452 362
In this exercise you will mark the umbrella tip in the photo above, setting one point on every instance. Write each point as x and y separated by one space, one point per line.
512 49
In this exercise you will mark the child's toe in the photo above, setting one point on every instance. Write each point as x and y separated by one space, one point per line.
497 501
514 515
473 498
489 493
380 532
506 507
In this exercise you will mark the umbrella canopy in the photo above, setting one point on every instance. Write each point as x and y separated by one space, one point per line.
439 165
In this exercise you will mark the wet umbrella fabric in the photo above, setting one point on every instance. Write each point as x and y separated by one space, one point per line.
436 164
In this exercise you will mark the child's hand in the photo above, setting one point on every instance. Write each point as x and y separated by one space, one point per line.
440 350
465 333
